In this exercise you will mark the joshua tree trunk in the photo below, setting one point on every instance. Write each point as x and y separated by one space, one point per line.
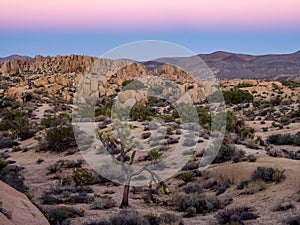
124 202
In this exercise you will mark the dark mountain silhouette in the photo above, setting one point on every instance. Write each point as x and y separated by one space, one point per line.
14 57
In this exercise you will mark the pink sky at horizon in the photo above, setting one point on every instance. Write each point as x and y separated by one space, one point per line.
123 15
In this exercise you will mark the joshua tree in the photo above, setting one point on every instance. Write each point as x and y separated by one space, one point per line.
124 143
111 143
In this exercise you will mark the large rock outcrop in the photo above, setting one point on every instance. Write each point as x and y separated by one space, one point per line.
16 208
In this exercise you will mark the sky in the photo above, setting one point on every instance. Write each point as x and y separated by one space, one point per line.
92 27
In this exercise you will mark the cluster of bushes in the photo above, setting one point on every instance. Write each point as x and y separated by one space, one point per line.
234 96
233 124
244 85
132 217
140 112
6 142
284 139
54 121
229 153
132 85
83 176
295 220
192 187
195 203
290 83
236 215
285 154
268 174
59 139
259 180
61 215
252 187
18 122
67 194
217 185
103 203
11 175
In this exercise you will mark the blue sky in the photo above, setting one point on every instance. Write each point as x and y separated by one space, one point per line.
88 43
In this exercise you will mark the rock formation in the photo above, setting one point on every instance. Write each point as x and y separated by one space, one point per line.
16 208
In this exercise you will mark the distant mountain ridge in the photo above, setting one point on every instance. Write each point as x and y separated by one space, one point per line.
3 59
225 65
270 67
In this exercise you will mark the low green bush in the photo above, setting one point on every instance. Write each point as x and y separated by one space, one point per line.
58 215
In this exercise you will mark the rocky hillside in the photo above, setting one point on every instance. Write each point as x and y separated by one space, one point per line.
63 73
270 67
225 65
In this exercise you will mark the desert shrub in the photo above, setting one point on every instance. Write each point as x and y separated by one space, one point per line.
238 156
284 207
83 176
163 219
202 203
55 167
281 139
73 164
155 154
268 174
290 83
251 158
204 116
187 176
103 203
152 219
50 199
17 121
242 184
3 164
228 153
295 220
140 112
132 85
237 214
235 96
247 132
244 85
233 124
58 215
6 142
59 139
225 153
252 187
167 218
131 217
103 222
11 175
167 118
54 121
296 139
128 217
170 130
66 197
192 187
217 185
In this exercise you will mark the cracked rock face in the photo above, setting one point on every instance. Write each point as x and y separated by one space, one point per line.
17 209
